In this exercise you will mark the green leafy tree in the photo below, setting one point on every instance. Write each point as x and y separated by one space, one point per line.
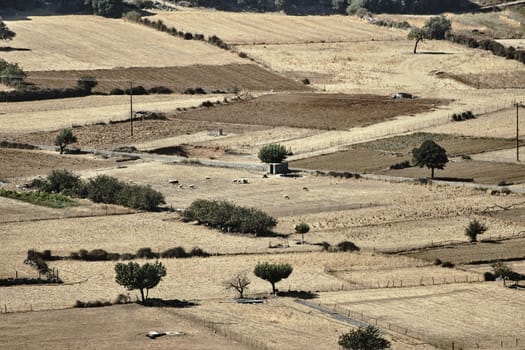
11 74
502 270
239 282
134 276
430 155
474 229
272 273
364 338
65 182
5 32
107 8
302 228
435 28
272 153
64 138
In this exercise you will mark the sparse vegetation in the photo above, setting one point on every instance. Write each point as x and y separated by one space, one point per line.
51 200
272 273
435 28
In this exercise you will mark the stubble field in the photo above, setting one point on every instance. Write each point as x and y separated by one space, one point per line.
378 216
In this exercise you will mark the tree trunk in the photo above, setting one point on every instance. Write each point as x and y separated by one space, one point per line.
62 148
142 295
273 287
417 42
432 175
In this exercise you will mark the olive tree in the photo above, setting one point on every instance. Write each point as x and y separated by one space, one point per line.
64 138
272 273
302 228
272 153
435 28
5 32
364 338
134 276
87 83
431 155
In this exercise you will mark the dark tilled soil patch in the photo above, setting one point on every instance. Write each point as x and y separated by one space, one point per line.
317 111
230 77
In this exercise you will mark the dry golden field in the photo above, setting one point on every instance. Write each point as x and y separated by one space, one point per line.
274 28
90 42
443 314
338 54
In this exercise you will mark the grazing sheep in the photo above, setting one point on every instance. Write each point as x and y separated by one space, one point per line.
207 177
181 186
192 186
305 189
285 196
173 182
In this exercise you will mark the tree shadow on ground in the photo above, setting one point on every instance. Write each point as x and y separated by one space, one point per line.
9 49
299 294
175 303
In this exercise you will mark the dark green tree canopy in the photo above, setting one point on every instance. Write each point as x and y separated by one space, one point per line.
107 8
364 338
272 273
430 155
6 33
272 153
474 229
87 83
64 138
435 28
145 277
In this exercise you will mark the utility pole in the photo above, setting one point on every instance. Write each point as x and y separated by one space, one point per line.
517 105
131 106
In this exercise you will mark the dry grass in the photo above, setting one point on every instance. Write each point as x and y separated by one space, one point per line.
442 314
117 327
90 42
266 28
23 117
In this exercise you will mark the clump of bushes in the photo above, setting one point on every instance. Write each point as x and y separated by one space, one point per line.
447 264
195 91
96 303
459 117
344 246
401 165
102 189
41 94
229 217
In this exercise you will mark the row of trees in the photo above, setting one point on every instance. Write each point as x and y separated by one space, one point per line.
411 6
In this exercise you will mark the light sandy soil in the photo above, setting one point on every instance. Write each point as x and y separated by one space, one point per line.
91 42
23 117
388 66
442 314
117 327
266 28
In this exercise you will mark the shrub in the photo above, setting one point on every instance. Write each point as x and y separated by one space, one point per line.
36 259
447 264
159 90
133 16
401 165
188 36
87 83
367 338
272 153
63 181
243 55
136 90
103 189
200 91
116 91
306 81
177 252
437 262
64 138
488 276
347 246
229 217
97 255
96 303
196 251
146 253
